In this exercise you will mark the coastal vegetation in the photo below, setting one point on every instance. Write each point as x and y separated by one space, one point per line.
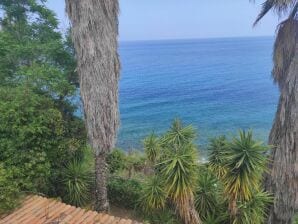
44 147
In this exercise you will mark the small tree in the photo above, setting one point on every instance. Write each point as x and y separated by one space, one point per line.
245 163
177 168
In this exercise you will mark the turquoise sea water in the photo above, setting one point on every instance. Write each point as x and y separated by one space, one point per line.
217 85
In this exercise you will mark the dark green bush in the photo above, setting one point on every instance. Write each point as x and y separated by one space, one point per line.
124 192
9 191
116 161
164 216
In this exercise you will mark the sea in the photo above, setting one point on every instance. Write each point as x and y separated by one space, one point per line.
219 86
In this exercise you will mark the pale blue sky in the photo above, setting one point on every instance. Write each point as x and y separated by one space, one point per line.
183 19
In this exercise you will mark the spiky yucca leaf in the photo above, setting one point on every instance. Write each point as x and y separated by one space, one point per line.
153 195
220 218
152 147
77 183
179 134
217 148
255 210
178 168
206 194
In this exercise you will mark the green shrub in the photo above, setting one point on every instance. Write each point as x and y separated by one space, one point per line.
9 191
296 219
116 161
124 192
164 216
77 183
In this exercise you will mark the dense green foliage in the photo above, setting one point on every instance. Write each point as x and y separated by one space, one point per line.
116 161
39 132
9 190
124 192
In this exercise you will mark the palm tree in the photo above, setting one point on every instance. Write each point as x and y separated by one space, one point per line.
282 180
94 32
178 168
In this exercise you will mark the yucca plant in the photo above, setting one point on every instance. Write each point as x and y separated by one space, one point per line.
207 194
77 183
255 210
218 147
152 148
178 168
154 196
178 134
245 161
219 218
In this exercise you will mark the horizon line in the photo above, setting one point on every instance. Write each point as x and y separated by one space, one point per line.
195 38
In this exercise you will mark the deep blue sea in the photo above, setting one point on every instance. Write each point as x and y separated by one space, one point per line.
217 85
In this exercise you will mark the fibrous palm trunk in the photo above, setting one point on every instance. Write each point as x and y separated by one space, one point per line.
95 32
282 180
187 211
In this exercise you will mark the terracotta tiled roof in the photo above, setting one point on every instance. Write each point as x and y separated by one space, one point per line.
40 210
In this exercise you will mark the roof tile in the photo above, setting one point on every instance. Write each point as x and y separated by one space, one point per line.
40 210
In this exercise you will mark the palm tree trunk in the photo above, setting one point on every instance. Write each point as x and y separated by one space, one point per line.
94 33
282 180
233 208
101 169
188 212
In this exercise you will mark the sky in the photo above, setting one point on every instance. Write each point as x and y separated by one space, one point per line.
184 19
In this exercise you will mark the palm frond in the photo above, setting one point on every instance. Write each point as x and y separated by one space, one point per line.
279 6
266 7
